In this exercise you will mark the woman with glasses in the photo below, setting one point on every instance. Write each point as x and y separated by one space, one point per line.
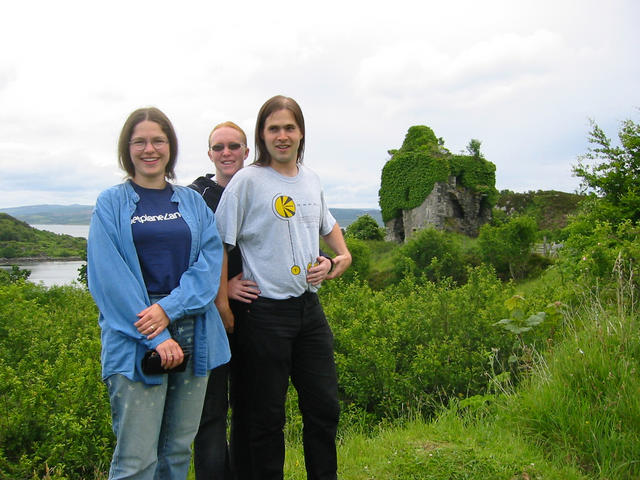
155 266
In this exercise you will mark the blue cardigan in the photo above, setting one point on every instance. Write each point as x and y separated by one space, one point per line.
116 284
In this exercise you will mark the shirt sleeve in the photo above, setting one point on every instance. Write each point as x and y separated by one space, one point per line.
327 221
117 292
229 217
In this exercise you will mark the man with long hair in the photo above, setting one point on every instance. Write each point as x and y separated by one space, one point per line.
275 212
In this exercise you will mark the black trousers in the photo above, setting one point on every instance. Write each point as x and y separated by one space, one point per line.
213 459
277 340
210 453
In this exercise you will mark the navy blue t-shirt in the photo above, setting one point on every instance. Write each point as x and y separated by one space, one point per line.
162 239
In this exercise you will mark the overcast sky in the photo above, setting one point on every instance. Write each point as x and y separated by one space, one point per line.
523 77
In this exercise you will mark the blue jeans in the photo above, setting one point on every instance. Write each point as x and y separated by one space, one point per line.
155 424
278 339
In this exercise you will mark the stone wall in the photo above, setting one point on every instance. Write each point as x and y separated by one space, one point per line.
447 207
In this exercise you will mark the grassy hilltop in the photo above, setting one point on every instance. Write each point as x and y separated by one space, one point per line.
19 240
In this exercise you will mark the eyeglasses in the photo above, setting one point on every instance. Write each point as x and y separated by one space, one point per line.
140 144
218 147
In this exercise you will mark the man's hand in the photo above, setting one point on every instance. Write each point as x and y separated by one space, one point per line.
317 273
340 264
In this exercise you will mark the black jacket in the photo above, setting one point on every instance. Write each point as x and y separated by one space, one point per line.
211 193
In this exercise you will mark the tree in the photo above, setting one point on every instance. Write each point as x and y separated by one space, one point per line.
365 227
613 172
474 148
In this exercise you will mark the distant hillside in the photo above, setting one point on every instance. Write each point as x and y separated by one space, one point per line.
81 214
19 240
549 208
52 214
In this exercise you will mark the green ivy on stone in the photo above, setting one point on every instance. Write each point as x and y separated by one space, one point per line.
422 161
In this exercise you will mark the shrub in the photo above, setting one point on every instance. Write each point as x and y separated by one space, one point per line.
415 344
507 247
365 228
593 249
55 410
361 259
435 254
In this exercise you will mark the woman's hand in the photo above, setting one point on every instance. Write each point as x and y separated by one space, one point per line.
152 321
242 290
170 353
317 273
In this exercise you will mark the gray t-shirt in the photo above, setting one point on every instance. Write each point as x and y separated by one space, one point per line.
276 221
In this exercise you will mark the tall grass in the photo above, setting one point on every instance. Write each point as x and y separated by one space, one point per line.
582 404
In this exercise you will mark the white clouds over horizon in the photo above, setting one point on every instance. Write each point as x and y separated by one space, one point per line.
523 77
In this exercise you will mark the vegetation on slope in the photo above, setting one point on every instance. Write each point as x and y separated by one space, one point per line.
549 208
19 240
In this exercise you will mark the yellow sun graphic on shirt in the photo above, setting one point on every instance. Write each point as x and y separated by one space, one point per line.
284 206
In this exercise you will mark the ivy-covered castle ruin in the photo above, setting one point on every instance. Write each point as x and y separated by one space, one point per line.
424 185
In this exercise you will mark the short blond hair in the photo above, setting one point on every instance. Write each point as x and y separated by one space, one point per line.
230 125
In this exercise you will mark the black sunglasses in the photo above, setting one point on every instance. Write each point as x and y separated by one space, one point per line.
218 147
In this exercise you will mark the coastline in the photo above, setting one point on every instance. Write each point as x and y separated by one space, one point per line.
27 260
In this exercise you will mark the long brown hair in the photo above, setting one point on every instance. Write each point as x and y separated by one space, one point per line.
275 104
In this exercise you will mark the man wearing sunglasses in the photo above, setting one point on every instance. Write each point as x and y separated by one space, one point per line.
227 150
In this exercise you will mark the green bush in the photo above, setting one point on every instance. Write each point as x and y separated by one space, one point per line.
361 259
435 254
55 411
415 344
594 249
507 247
365 228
